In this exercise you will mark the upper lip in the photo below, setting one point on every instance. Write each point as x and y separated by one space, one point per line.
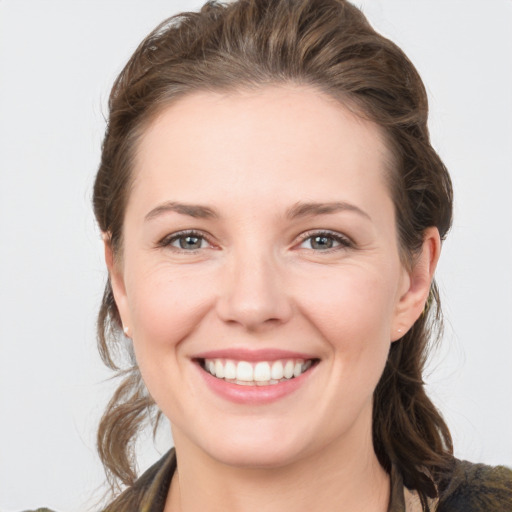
271 354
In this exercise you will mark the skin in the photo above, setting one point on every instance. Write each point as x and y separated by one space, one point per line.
257 281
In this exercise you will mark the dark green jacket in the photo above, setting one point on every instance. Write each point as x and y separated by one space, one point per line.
469 488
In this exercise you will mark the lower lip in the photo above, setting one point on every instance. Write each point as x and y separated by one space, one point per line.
254 394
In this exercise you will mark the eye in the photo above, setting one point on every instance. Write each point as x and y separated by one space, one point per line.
185 241
324 241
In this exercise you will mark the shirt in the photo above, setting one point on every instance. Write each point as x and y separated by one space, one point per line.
468 488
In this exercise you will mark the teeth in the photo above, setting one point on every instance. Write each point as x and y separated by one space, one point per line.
288 369
219 369
261 373
244 371
230 370
277 372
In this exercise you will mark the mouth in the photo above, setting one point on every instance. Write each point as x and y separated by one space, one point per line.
256 373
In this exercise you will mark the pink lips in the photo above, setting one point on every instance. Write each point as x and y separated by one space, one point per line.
253 355
252 395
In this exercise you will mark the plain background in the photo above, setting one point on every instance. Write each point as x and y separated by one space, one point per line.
57 62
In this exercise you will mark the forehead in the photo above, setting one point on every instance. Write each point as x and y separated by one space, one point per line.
289 139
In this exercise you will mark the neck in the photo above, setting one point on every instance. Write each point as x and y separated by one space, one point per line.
341 474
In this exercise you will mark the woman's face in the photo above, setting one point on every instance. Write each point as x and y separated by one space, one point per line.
259 240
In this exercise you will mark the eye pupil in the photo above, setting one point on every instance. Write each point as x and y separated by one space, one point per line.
321 242
190 242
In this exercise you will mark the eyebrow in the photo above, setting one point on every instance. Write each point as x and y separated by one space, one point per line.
298 210
192 210
310 209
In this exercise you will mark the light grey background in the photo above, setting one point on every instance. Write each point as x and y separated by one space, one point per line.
57 62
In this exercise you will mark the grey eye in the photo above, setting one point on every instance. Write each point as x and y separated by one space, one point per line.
322 242
325 241
189 242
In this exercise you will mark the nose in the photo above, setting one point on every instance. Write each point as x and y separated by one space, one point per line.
253 293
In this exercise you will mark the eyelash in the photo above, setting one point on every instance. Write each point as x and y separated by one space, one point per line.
342 240
168 240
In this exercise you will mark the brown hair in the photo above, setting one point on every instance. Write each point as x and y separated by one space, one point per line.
327 44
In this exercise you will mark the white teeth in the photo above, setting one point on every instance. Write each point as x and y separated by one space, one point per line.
219 369
277 371
288 369
230 370
244 371
261 373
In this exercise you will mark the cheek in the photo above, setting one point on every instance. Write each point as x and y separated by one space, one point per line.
356 301
166 307
353 313
166 310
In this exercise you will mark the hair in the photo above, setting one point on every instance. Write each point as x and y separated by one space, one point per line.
328 45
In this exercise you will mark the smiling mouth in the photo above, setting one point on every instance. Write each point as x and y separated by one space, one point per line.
260 373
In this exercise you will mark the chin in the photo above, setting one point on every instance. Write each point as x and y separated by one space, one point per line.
257 450
254 457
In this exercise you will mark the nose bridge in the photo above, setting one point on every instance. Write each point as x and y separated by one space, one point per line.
253 293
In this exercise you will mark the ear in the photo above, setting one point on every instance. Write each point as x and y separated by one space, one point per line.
416 287
116 277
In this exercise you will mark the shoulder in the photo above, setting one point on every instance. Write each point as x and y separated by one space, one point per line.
476 488
149 492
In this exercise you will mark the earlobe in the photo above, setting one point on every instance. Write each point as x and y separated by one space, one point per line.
412 302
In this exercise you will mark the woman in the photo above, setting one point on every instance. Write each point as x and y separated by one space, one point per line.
272 213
